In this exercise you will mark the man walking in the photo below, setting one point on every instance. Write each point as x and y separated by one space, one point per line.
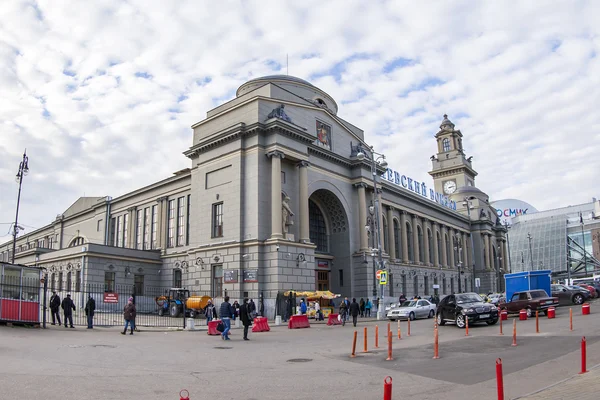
245 317
361 304
129 313
208 312
55 308
90 307
226 313
354 310
68 307
368 306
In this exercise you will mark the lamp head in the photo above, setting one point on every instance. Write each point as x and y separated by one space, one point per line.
383 163
360 155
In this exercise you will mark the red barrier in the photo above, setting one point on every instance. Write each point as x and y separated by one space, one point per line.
551 313
333 320
298 321
260 324
585 309
387 388
212 327
503 315
523 315
583 356
499 379
185 396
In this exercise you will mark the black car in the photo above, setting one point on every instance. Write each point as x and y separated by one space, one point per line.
458 307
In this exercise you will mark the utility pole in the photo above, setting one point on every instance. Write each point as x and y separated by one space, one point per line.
529 237
23 170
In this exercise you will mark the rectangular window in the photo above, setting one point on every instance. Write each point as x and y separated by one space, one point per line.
109 281
154 226
217 220
180 221
217 286
119 232
187 219
176 278
50 242
99 226
426 285
147 228
60 281
69 282
171 224
125 230
138 285
139 226
341 277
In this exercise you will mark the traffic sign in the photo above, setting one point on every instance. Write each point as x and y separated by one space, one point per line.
378 274
383 278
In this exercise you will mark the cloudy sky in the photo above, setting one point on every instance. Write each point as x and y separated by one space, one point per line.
102 93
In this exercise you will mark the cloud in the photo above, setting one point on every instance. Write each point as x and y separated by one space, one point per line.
103 94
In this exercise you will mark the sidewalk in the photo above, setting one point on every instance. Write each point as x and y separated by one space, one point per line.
581 387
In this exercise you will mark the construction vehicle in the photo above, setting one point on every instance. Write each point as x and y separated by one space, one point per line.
172 303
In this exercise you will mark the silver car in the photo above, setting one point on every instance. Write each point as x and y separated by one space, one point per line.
412 310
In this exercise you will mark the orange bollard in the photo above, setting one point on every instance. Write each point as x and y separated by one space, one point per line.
184 395
537 322
499 379
408 333
436 353
571 318
365 341
514 343
466 326
376 337
501 333
389 327
389 357
354 345
387 388
399 331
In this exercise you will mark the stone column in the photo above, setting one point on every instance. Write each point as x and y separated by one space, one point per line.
303 202
404 237
163 210
381 227
486 242
131 227
436 250
276 218
416 247
362 216
466 251
444 247
392 243
426 242
452 261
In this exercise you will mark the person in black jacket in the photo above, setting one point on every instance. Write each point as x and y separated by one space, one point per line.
55 308
354 311
68 306
245 317
226 313
90 307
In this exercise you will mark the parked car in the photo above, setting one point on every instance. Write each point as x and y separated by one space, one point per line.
458 307
566 295
530 301
496 298
591 289
412 309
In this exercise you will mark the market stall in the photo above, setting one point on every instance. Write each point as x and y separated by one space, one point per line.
324 298
19 293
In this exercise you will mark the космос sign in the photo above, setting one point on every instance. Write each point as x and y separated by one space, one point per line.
418 187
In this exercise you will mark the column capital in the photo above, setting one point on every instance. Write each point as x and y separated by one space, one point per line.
133 208
276 153
303 164
391 208
162 198
360 185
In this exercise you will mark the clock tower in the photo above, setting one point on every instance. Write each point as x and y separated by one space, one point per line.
451 168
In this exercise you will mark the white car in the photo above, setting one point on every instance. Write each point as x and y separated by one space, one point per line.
412 310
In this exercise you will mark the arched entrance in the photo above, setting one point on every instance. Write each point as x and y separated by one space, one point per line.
329 231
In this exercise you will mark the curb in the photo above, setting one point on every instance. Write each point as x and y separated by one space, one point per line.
553 385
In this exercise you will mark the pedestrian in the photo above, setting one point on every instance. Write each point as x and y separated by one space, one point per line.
376 304
245 317
354 311
236 309
226 313
208 311
318 311
302 307
68 307
288 309
343 312
252 308
129 313
361 304
368 306
55 308
402 299
90 307
262 306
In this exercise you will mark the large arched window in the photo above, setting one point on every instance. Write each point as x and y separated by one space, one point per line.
430 243
409 239
447 249
439 246
446 145
421 246
398 254
318 228
78 241
386 242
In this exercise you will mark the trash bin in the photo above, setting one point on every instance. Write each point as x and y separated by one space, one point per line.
190 324
585 309
278 320
551 312
522 315
504 315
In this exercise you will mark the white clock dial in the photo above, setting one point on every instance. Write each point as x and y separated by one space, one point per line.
449 187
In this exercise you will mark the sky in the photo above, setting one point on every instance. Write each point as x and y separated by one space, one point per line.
102 94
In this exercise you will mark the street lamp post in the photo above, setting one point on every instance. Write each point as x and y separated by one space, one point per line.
529 237
467 203
369 227
508 244
459 249
583 243
23 171
498 272
377 159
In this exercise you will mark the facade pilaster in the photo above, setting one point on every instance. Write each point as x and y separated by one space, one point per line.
392 243
303 202
362 216
276 204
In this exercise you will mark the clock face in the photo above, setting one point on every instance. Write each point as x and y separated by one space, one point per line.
449 187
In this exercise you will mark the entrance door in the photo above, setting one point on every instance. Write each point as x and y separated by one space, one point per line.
322 280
